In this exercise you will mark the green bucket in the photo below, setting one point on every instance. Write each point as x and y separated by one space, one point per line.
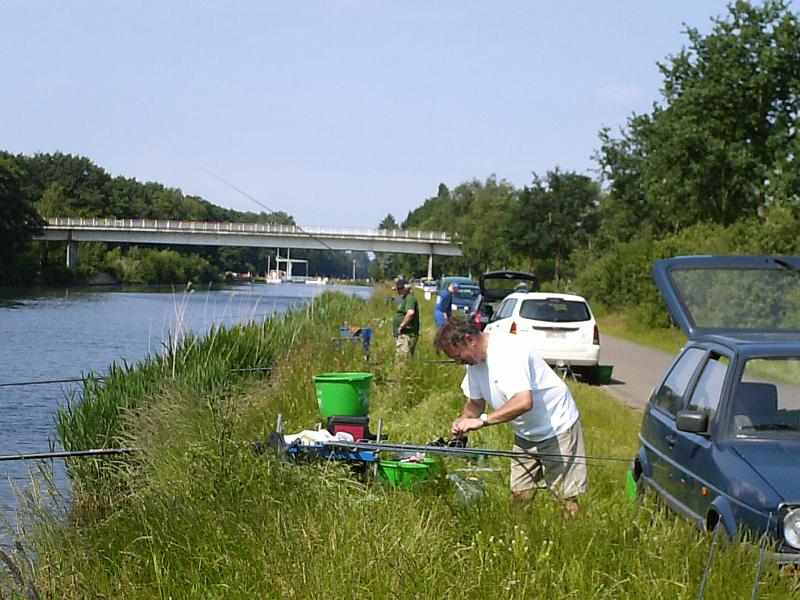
631 487
604 374
343 394
397 472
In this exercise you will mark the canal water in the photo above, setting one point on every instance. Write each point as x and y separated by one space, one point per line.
47 335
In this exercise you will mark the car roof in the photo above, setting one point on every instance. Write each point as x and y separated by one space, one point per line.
731 295
546 295
756 344
445 281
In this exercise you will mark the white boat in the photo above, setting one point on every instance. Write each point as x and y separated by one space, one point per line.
317 281
275 276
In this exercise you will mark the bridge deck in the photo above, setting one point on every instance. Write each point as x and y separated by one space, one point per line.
151 231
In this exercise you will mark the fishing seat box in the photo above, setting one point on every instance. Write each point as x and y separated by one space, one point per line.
358 427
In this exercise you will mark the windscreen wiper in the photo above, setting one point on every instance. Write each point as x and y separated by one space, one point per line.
773 427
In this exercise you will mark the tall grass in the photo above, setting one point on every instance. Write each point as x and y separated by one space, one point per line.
201 515
100 416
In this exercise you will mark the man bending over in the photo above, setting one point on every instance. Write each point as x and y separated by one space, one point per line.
523 391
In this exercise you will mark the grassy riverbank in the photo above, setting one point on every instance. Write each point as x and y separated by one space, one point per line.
197 514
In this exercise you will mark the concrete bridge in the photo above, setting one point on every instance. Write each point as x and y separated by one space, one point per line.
258 235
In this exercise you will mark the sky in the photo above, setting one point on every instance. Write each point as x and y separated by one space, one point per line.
337 112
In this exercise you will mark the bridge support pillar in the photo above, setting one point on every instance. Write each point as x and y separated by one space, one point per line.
72 254
430 265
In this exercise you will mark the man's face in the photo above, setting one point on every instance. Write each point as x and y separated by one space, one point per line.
468 353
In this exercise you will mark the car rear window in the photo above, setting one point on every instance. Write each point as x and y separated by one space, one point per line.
506 309
467 293
555 310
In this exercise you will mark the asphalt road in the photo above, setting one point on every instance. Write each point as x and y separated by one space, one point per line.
637 369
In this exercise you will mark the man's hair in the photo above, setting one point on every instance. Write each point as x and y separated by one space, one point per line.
454 333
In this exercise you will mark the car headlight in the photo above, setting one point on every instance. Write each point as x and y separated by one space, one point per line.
791 528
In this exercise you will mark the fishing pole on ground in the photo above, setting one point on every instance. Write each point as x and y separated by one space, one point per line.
553 457
103 377
68 454
350 446
47 381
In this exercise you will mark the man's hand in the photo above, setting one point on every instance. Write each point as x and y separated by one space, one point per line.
465 424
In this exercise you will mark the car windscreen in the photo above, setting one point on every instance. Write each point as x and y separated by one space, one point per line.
555 310
467 292
767 399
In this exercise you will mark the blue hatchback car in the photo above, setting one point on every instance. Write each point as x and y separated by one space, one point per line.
720 438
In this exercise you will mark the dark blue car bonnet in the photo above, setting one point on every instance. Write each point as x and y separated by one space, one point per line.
778 463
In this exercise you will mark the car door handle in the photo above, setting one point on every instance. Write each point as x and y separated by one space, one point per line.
670 440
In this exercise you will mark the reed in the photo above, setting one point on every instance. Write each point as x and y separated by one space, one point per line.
200 515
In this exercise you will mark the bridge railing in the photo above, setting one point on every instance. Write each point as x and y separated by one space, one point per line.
171 225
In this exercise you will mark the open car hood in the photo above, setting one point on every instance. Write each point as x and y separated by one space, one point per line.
496 285
731 294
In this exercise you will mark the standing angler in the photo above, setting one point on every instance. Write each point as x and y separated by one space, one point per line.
444 305
406 320
526 393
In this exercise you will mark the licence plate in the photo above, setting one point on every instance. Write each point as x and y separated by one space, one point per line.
555 334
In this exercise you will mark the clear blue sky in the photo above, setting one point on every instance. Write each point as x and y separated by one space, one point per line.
337 112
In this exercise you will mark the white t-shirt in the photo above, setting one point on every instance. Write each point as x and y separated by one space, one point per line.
512 366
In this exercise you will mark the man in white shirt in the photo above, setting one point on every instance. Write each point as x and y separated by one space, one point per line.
523 391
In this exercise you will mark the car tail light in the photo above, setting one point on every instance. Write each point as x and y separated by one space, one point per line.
513 327
596 339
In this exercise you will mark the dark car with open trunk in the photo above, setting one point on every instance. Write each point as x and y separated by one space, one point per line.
496 285
720 437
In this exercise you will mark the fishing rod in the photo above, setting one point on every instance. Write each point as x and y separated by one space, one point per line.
46 381
261 204
102 377
378 447
68 454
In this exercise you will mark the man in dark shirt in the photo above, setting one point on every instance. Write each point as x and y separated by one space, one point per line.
444 305
406 320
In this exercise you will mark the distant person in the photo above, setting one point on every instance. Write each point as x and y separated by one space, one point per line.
406 320
523 391
444 305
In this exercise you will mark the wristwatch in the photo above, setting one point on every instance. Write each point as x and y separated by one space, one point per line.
484 418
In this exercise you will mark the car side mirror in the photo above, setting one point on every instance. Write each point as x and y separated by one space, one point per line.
693 421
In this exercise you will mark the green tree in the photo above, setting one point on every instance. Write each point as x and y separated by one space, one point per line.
723 143
388 222
18 223
552 217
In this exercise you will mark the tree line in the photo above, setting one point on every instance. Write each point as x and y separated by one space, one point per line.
33 188
712 168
